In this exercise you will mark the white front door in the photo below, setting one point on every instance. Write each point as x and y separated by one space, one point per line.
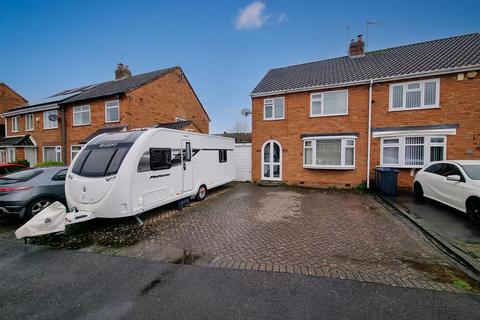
31 156
187 169
272 161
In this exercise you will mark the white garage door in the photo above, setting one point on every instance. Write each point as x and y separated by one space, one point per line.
243 161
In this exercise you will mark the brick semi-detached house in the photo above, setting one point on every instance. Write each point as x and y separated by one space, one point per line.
55 128
331 122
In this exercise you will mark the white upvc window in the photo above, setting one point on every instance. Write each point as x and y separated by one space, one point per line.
11 155
412 151
330 152
415 95
16 124
81 115
112 111
50 119
74 150
178 119
332 103
53 153
274 109
29 122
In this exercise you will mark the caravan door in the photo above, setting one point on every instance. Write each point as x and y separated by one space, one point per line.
187 172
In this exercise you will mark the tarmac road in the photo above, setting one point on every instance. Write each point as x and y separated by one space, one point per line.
42 283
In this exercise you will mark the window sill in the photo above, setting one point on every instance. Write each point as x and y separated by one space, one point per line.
112 121
30 130
50 128
329 167
81 125
328 115
399 166
273 119
409 109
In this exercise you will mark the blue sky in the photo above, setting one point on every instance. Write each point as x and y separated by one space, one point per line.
224 47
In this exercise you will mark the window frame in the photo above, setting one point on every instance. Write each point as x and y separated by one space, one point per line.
45 116
322 108
71 150
58 153
343 147
273 118
9 159
110 107
422 95
427 145
16 124
27 116
81 111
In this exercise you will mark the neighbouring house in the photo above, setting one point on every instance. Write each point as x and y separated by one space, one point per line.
8 99
331 122
56 128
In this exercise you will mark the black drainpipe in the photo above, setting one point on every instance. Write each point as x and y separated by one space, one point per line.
63 136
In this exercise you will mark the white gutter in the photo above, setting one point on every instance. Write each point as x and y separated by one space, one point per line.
369 131
30 110
360 82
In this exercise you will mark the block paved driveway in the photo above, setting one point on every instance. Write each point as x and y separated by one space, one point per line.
279 229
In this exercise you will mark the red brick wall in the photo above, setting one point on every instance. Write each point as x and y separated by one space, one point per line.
9 99
164 99
459 100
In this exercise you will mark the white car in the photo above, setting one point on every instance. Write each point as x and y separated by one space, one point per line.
454 183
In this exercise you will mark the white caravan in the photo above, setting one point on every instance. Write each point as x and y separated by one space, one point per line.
124 174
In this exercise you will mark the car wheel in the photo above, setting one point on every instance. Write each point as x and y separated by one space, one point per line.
38 205
418 191
473 209
202 193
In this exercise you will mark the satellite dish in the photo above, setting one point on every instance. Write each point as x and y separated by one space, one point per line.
52 117
245 112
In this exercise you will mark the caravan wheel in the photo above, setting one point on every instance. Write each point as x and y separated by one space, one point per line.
202 193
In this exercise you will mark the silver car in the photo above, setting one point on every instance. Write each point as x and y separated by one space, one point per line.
26 193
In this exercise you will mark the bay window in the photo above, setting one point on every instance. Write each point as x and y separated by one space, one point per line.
415 95
329 103
329 152
412 152
274 109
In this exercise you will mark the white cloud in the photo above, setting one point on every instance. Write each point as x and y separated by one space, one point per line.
253 16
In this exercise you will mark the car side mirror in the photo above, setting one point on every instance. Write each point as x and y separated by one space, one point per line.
454 177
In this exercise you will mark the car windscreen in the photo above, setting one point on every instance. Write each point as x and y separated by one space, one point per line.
100 160
19 176
472 171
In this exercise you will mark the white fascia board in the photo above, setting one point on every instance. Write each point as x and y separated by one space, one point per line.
328 137
30 110
409 133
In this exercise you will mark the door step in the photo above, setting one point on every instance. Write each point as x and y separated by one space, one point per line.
270 183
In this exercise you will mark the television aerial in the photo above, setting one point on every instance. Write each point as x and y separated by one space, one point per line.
245 112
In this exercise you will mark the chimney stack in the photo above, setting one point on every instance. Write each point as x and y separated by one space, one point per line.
122 71
357 47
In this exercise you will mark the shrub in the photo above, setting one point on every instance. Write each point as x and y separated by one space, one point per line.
361 187
50 163
22 162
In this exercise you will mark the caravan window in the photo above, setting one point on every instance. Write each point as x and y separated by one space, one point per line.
187 156
100 162
160 159
222 156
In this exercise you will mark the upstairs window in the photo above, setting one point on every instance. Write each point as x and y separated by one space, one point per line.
29 122
412 152
329 153
50 119
415 95
112 111
81 115
329 103
274 109
15 124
